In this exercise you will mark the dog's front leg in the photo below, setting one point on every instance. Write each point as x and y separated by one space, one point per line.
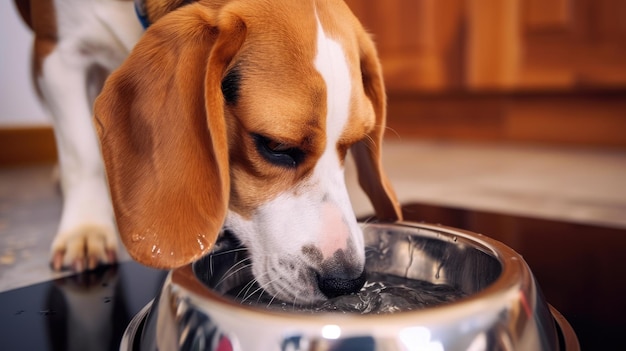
86 236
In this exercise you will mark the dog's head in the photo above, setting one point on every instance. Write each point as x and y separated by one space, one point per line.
241 113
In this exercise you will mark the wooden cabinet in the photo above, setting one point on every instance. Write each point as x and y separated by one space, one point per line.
439 45
506 70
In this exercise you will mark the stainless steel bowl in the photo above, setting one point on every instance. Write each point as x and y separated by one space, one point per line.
504 308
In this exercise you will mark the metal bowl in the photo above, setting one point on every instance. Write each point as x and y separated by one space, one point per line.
504 308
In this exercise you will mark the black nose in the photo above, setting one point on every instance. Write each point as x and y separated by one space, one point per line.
333 286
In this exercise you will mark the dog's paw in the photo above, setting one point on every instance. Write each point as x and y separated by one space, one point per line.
84 248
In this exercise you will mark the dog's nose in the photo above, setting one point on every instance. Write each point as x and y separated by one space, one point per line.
333 285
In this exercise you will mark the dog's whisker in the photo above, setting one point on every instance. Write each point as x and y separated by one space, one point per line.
275 296
371 142
246 288
258 300
228 251
230 271
271 300
260 288
367 221
294 305
395 132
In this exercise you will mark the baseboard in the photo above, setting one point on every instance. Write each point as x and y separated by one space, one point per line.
580 119
27 145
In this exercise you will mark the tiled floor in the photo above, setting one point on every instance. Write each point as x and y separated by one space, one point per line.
583 186
30 206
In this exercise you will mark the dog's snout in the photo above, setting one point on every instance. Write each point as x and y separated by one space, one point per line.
340 274
336 285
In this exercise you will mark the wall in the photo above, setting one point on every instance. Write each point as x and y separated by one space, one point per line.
19 105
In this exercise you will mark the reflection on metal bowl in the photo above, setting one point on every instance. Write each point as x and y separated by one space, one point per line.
503 308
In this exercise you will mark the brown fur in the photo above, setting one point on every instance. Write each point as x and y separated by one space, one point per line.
44 28
158 8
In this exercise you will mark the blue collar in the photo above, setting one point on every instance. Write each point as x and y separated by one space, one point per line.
140 10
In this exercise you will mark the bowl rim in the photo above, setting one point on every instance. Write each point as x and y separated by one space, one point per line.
515 272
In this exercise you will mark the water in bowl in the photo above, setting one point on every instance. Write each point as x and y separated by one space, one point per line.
381 294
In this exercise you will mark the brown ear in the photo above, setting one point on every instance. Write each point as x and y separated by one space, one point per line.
368 152
161 125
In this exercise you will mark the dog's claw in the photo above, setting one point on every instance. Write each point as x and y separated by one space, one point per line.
111 256
93 262
84 249
57 261
81 264
78 266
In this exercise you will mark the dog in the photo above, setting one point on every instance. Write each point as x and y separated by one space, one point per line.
240 114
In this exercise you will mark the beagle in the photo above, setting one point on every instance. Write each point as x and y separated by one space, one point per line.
240 114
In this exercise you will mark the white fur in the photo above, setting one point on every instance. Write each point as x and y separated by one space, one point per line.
91 33
322 216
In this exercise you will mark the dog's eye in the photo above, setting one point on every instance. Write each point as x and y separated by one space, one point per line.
278 153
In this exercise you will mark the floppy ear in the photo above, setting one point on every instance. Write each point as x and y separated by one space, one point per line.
160 119
368 152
